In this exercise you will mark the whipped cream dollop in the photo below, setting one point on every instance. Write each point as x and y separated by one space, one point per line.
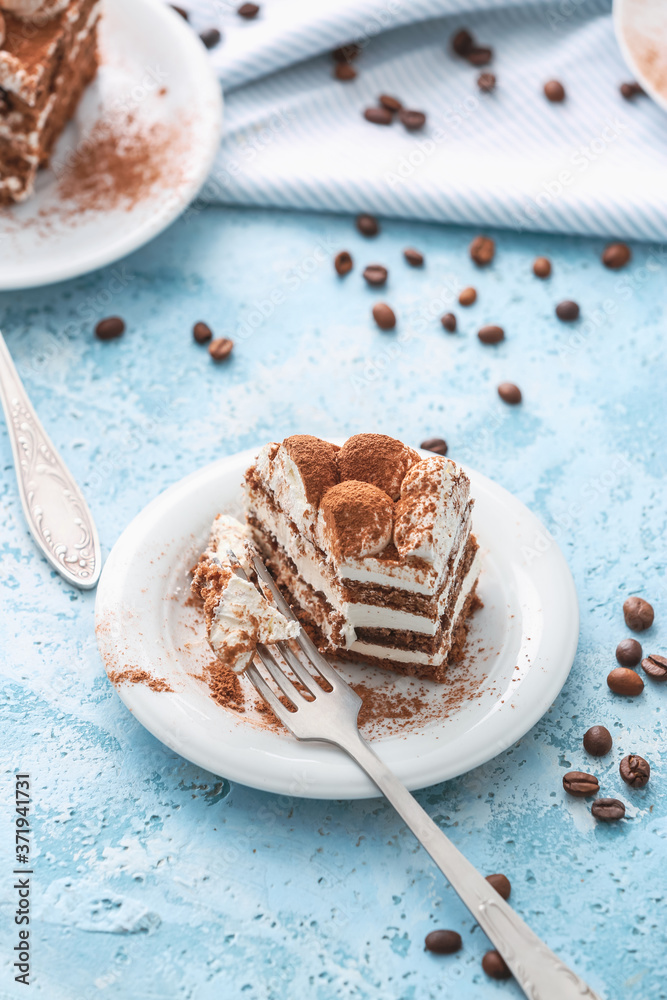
427 515
34 10
238 616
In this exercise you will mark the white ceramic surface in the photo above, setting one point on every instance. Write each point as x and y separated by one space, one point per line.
156 69
520 650
641 31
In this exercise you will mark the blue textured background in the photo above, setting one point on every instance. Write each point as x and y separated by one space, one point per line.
157 880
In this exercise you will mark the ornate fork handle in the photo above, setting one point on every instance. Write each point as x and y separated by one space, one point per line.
57 514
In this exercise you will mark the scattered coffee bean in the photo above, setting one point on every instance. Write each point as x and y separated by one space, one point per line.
248 10
378 116
344 71
635 771
467 296
616 255
390 103
542 267
491 334
554 91
597 741
482 250
509 393
437 445
655 666
630 90
494 965
501 884
462 42
180 10
210 37
580 784
623 680
368 225
567 311
109 328
638 614
486 82
346 53
449 322
608 809
221 348
343 262
384 316
443 942
629 653
376 274
413 257
412 120
202 333
480 55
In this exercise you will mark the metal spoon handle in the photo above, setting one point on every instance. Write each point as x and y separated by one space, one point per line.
57 514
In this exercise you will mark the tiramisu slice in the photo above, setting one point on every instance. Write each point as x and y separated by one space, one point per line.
237 615
48 55
372 546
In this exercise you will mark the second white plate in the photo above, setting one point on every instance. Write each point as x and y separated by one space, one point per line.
521 647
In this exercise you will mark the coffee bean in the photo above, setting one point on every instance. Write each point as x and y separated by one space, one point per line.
608 809
413 257
629 653
390 103
201 332
248 10
501 884
635 771
630 90
412 120
384 316
622 680
616 255
482 250
221 348
554 91
491 334
638 614
449 322
210 37
486 82
467 296
462 42
437 445
655 666
443 942
597 741
378 116
343 262
368 225
346 53
480 55
580 784
509 393
542 267
180 10
344 71
567 311
494 965
375 274
109 328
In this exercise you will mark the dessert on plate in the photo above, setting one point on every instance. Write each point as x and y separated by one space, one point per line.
370 543
48 56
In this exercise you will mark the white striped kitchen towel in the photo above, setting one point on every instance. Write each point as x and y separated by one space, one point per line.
296 138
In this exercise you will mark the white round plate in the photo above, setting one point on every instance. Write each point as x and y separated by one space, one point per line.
155 70
520 650
641 32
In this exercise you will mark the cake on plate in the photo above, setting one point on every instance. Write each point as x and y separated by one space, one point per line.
48 56
370 543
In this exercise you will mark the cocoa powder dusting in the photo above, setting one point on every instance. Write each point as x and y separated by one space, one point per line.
134 675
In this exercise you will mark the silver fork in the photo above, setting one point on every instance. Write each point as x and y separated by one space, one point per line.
331 717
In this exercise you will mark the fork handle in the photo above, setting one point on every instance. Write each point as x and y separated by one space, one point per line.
540 973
